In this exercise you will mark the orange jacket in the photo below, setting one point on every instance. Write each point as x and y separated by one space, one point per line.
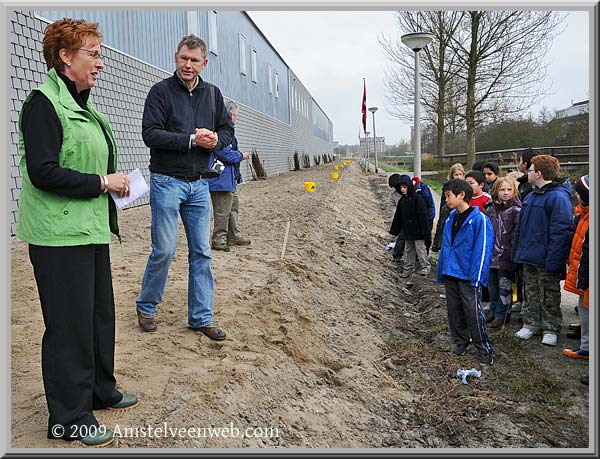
583 212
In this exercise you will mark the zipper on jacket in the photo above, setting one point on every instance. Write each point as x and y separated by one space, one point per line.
193 150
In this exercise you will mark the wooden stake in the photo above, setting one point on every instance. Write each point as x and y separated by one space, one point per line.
285 238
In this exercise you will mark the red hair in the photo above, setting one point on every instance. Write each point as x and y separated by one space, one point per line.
68 34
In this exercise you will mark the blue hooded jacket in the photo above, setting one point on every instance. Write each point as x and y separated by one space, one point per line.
470 255
230 177
545 229
421 187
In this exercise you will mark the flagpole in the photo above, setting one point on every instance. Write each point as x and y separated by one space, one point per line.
364 123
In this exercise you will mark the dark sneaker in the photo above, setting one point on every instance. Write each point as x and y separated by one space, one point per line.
220 246
147 323
128 402
239 241
99 439
585 379
489 316
461 349
486 359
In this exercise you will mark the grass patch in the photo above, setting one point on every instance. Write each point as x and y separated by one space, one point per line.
442 327
390 168
435 186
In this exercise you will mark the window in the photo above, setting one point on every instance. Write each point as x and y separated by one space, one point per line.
243 67
254 72
270 77
213 43
276 84
192 18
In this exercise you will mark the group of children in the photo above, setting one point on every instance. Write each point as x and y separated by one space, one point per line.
494 230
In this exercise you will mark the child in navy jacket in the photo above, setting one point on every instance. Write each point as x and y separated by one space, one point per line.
463 267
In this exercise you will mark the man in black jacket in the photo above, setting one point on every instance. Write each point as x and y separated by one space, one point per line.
184 120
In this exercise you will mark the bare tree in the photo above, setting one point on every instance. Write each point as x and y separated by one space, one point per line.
438 72
481 67
503 57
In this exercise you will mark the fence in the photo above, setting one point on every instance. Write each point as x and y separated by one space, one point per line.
570 157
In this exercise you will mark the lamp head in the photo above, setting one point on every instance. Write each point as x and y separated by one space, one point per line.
417 40
373 109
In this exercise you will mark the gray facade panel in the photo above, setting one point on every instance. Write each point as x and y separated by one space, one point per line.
120 94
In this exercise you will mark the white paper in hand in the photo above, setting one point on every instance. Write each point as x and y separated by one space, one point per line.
137 188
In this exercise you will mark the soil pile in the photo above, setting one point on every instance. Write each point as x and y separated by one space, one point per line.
328 347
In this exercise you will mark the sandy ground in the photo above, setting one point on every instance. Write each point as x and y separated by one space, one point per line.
328 347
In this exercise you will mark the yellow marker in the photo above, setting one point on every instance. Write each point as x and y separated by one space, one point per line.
310 186
335 175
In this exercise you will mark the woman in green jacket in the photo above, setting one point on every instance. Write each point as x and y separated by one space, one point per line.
68 162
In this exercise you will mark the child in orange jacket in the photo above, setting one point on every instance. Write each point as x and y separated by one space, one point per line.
577 280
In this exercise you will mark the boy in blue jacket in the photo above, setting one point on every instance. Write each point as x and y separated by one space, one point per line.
463 268
544 235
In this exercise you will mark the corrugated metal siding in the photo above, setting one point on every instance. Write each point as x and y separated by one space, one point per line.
120 94
151 36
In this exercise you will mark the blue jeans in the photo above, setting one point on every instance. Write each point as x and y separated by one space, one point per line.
170 197
500 287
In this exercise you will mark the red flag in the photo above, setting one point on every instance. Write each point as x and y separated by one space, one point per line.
364 108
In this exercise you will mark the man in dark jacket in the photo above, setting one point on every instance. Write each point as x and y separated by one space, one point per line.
544 239
184 120
411 219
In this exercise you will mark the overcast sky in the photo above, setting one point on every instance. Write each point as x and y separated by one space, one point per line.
332 51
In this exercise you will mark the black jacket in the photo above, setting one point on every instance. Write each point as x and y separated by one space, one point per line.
439 229
411 215
171 114
524 187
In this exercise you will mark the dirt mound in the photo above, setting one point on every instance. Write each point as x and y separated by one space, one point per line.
326 348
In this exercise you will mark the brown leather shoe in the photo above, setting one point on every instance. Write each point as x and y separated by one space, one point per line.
220 246
239 241
147 323
212 331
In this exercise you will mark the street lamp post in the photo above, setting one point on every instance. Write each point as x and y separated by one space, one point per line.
373 110
417 41
367 144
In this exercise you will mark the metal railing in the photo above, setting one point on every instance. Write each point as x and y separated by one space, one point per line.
570 156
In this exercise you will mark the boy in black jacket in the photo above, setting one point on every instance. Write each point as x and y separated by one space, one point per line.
411 218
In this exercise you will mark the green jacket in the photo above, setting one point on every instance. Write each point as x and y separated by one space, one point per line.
48 219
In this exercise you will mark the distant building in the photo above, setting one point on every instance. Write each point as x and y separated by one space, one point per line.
578 108
379 144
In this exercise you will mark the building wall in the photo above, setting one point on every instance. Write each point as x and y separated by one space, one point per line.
574 110
120 94
133 32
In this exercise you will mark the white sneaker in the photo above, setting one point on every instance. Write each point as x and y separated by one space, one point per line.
525 333
549 339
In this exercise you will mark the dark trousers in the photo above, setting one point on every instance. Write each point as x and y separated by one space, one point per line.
500 288
78 347
466 321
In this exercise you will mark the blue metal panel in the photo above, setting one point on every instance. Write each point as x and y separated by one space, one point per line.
151 36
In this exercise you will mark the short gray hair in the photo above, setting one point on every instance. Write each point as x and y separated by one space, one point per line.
192 42
232 107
